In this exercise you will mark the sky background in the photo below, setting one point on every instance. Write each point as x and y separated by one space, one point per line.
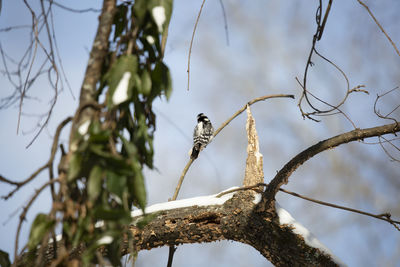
269 42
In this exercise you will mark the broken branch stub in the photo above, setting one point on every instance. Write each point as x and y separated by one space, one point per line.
254 173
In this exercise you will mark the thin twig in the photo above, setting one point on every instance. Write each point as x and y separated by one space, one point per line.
255 100
178 187
49 163
384 217
53 153
379 25
24 212
191 43
35 30
50 56
376 111
385 150
225 22
30 178
73 9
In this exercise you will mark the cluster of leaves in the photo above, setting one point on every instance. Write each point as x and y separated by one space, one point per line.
105 174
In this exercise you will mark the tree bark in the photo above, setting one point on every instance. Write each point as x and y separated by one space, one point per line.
238 220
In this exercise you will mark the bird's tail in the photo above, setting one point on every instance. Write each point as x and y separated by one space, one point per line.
195 151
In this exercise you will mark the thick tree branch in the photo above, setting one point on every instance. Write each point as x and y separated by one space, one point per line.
95 64
282 176
235 220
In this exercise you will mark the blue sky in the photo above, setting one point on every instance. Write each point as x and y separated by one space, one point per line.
268 48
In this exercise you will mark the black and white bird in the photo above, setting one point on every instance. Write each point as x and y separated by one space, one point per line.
202 135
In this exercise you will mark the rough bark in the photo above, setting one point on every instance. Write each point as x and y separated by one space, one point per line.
93 72
236 220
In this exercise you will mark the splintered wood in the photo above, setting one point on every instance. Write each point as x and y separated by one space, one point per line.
254 164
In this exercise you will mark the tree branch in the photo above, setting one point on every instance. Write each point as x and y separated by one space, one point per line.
379 25
95 64
282 176
235 220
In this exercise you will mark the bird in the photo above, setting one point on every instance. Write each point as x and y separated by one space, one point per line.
202 135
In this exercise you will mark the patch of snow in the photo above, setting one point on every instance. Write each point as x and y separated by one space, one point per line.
309 238
150 39
99 224
121 93
107 239
83 128
58 239
257 198
116 198
188 202
158 13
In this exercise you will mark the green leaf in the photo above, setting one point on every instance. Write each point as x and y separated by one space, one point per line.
139 189
146 83
161 79
116 184
167 5
4 259
75 167
40 227
83 225
102 213
140 10
129 147
95 183
126 63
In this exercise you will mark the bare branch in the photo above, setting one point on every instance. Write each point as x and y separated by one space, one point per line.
74 9
49 164
379 25
191 42
96 60
282 176
24 212
178 187
383 216
225 22
255 100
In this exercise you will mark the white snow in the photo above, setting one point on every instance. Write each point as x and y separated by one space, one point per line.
309 238
158 13
188 202
107 239
121 93
83 128
257 198
150 39
58 239
99 224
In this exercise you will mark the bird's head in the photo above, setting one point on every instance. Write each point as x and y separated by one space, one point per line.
202 117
